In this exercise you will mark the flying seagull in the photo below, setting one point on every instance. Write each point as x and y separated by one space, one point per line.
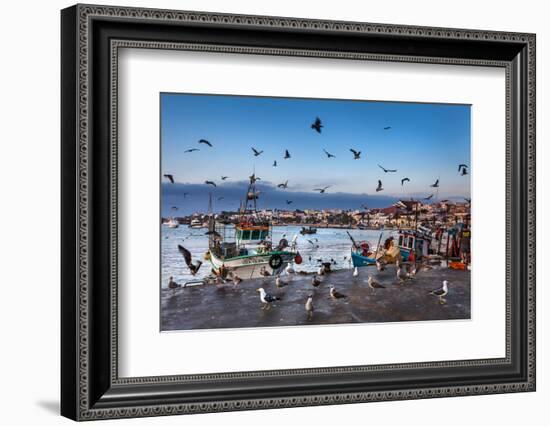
224 177
191 150
441 292
436 184
335 294
266 298
387 128
256 152
462 166
464 172
429 197
289 202
287 154
283 185
275 163
204 141
322 190
356 154
209 182
387 170
405 180
374 284
379 187
329 155
193 268
170 178
309 307
468 200
317 125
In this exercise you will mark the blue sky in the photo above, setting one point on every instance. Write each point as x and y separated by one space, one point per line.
426 142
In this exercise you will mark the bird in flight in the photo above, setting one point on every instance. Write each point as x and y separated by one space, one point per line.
283 185
462 166
387 170
275 163
436 184
429 197
191 150
209 182
193 267
464 172
289 202
322 190
317 125
379 187
468 200
169 177
356 154
329 155
287 154
204 141
387 128
256 152
253 178
405 180
224 177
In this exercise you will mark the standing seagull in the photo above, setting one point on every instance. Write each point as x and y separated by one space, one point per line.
329 155
256 152
335 294
266 298
355 272
441 292
356 154
315 282
309 307
236 280
401 274
204 141
317 125
387 170
374 284
287 155
405 180
379 187
380 266
280 283
436 184
193 268
170 178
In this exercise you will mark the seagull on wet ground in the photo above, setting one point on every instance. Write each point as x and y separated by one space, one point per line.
172 284
309 307
193 267
236 280
266 298
279 282
355 272
441 292
380 266
289 268
373 283
336 294
401 274
264 272
315 282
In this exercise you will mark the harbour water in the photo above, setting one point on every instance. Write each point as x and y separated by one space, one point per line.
327 244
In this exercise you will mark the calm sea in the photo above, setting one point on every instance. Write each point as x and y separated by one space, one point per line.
328 244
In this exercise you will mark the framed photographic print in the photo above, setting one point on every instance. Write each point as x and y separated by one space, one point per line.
264 212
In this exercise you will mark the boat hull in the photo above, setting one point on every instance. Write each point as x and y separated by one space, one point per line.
359 261
248 267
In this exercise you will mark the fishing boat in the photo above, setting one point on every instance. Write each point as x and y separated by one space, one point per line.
246 248
361 253
196 224
308 231
414 244
172 223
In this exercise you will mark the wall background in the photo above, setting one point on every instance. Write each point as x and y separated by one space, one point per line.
29 212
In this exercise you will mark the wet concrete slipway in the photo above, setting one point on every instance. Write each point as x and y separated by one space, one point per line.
212 306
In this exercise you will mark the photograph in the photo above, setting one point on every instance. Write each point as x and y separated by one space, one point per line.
294 211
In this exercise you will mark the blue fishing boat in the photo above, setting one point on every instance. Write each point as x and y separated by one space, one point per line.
414 245
361 254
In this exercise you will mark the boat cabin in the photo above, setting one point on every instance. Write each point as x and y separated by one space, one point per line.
413 246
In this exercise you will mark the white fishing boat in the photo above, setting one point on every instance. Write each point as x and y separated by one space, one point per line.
172 223
196 223
246 249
